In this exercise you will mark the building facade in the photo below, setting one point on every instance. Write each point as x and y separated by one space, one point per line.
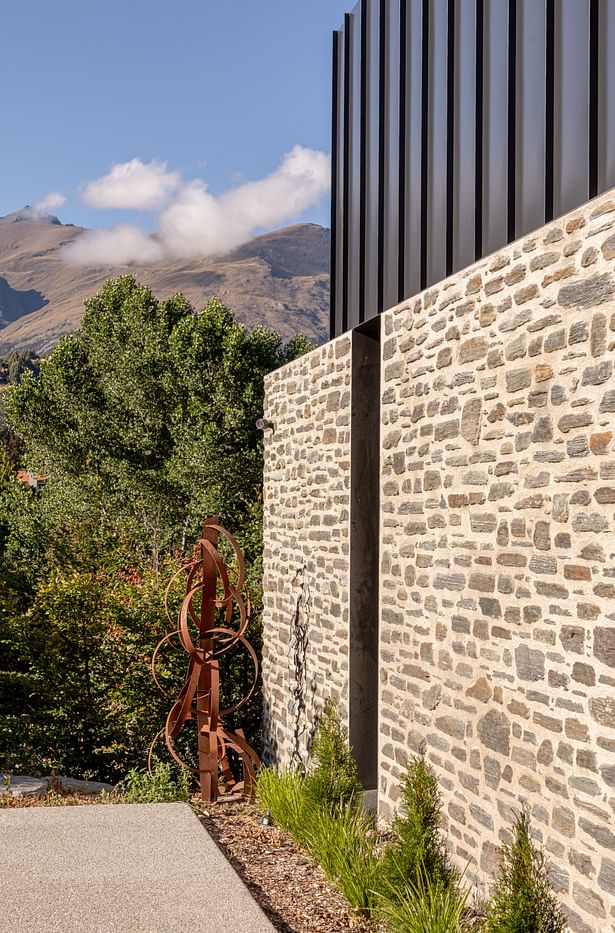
460 126
439 487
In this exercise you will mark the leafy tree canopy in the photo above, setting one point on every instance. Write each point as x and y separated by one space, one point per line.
145 417
144 423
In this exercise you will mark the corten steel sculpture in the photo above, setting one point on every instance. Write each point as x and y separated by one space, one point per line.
211 587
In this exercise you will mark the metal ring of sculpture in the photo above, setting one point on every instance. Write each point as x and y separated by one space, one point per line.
199 697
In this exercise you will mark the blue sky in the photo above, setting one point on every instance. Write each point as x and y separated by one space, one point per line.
218 91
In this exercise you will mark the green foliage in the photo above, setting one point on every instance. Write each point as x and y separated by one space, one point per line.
342 842
145 418
522 899
15 364
428 906
340 837
282 795
6 468
143 421
322 812
332 781
160 785
417 850
76 693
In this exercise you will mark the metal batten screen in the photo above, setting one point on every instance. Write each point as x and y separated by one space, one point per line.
459 126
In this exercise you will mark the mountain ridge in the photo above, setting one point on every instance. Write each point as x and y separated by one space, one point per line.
280 279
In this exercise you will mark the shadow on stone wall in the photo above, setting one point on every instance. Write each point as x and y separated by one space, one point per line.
304 724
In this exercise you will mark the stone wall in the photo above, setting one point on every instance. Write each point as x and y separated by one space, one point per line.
306 557
498 551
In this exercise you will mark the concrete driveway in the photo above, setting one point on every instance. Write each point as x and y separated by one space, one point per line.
129 868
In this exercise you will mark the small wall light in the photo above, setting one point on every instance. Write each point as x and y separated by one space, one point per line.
263 424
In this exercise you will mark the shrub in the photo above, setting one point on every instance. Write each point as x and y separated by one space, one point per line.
428 906
157 786
332 781
417 854
522 899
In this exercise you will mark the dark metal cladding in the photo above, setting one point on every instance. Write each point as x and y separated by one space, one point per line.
571 146
370 140
606 94
531 114
338 217
354 165
495 126
411 251
390 116
459 125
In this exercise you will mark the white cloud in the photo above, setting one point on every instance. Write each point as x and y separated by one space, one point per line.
134 185
41 208
195 222
123 245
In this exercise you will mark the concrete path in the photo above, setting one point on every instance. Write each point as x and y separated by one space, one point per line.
126 868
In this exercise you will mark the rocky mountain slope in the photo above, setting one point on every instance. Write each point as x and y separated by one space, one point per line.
280 279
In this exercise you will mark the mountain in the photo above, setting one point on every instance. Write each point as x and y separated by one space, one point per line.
280 279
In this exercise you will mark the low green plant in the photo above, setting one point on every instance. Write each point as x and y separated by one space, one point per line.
282 794
417 853
158 786
427 905
332 781
522 900
342 842
338 836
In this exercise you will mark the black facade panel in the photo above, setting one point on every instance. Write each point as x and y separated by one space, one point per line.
495 126
459 125
531 114
390 118
410 257
354 160
464 135
606 95
338 216
571 143
437 141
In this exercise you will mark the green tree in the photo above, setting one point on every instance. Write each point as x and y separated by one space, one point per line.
18 362
146 417
144 423
417 851
522 899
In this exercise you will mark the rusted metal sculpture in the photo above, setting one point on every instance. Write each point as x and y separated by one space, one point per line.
211 587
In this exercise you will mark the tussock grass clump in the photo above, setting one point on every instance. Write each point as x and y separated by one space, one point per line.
522 900
322 811
427 906
159 786
282 794
339 837
341 840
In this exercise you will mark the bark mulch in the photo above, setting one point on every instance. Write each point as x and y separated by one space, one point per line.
289 887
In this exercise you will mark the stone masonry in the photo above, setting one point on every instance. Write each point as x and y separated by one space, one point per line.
306 558
497 551
497 625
